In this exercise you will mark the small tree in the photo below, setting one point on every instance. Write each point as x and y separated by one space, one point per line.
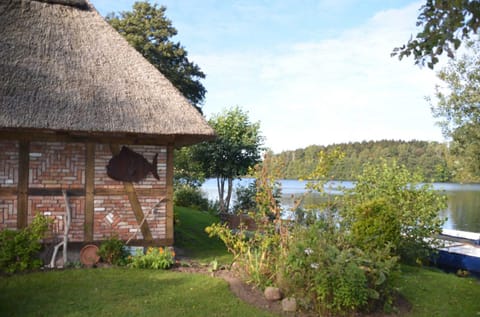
458 112
236 149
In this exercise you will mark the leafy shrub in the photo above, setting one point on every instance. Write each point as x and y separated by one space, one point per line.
330 275
192 197
18 249
257 252
390 205
245 198
254 252
154 258
113 251
260 196
375 225
342 256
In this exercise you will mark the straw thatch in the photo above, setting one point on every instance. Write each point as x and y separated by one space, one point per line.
63 68
82 4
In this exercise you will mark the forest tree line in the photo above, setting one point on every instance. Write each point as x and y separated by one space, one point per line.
432 160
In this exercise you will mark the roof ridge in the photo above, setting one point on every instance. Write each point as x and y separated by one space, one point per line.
67 70
81 4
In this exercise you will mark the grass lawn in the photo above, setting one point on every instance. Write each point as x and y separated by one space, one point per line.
435 293
431 292
132 292
190 236
119 292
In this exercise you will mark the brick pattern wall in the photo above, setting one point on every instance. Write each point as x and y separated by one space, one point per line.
8 212
8 179
54 165
8 165
114 214
62 165
54 207
103 155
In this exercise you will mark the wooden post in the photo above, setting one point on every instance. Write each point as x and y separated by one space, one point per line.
89 191
22 189
67 223
134 202
169 205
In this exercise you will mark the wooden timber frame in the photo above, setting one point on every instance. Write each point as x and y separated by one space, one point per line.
23 192
133 198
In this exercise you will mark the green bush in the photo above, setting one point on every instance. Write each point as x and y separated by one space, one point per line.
154 258
390 205
255 253
245 198
375 225
113 251
342 257
18 249
331 276
260 196
192 197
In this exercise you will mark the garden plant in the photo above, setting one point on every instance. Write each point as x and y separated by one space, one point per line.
19 248
155 258
341 256
112 251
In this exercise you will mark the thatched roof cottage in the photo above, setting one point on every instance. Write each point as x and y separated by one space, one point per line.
72 93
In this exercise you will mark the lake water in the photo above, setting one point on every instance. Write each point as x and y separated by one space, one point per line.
463 211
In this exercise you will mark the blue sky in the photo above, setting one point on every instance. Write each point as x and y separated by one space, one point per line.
312 72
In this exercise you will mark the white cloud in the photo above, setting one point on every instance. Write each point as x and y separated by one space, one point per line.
340 89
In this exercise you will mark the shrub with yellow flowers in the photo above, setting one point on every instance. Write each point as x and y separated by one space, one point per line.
154 258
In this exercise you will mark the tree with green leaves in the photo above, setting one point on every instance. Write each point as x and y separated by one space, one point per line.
148 30
187 171
236 149
458 109
445 24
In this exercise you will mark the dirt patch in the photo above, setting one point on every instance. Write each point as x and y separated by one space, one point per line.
242 290
248 293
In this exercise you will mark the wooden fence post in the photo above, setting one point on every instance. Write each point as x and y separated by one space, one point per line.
22 189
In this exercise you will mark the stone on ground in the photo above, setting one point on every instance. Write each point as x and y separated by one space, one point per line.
289 304
273 293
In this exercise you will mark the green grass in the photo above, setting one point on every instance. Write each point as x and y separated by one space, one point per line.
435 293
431 292
119 292
132 292
190 236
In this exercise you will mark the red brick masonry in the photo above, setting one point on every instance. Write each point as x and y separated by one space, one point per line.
58 165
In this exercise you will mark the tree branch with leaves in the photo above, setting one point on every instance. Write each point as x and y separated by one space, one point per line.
445 24
149 31
458 110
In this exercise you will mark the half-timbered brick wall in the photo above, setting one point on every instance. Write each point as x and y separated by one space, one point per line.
57 166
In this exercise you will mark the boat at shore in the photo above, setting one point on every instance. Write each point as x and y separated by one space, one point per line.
461 251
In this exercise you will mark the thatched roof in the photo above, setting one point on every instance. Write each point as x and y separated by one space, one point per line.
64 68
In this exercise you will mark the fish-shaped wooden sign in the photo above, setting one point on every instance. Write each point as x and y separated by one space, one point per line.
129 166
